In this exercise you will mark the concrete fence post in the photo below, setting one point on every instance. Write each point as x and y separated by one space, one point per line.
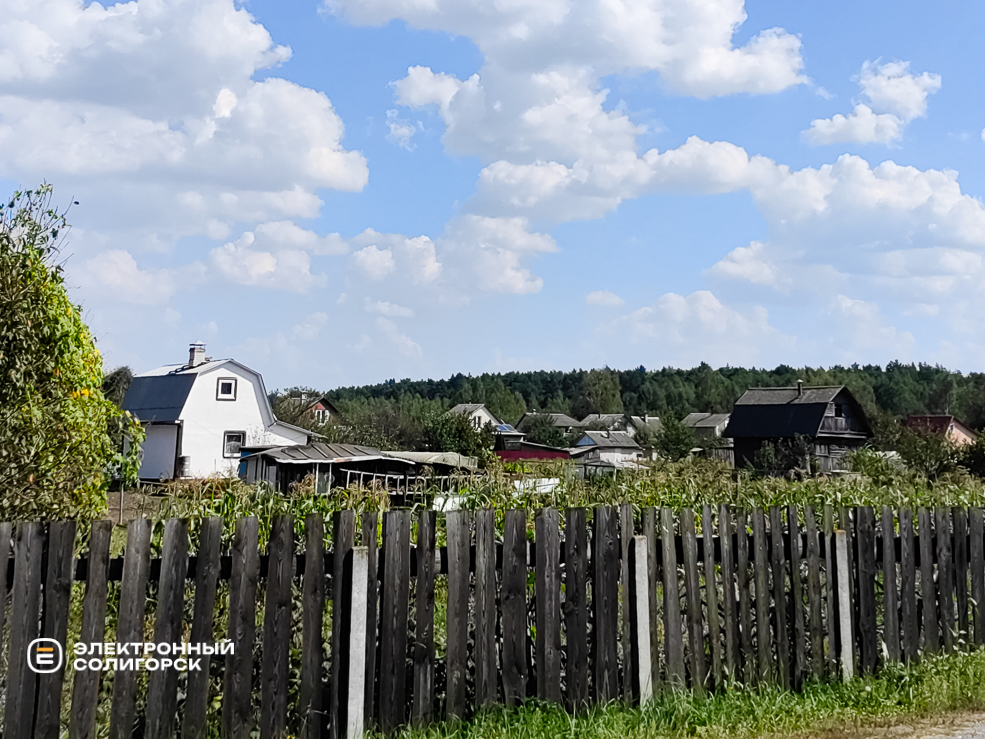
844 606
639 619
358 608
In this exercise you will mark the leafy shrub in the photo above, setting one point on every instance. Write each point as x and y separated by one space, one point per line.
56 453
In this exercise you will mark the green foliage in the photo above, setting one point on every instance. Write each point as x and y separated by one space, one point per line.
896 390
675 441
540 429
934 685
455 432
56 452
782 456
932 454
600 393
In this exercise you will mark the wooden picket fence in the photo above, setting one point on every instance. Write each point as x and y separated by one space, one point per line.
379 631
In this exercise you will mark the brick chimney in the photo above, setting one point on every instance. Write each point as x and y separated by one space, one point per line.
196 354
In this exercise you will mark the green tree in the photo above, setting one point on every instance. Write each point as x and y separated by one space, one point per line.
56 453
927 452
675 441
455 432
540 429
600 393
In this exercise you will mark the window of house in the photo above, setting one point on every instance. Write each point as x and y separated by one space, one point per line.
225 388
321 415
839 409
232 443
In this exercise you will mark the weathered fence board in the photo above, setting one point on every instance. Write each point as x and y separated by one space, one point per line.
206 580
423 708
130 625
237 711
485 609
514 603
548 594
393 619
605 600
457 629
575 606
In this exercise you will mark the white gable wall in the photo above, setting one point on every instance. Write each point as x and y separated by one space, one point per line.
205 420
481 417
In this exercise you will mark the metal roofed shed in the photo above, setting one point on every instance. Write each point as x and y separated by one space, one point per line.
335 465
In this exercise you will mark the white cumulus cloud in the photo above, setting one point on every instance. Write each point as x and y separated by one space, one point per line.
604 298
894 98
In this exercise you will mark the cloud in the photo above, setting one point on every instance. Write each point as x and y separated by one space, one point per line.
406 346
604 298
115 272
310 327
401 131
895 97
416 256
149 114
748 263
700 328
383 308
374 262
492 251
242 264
288 235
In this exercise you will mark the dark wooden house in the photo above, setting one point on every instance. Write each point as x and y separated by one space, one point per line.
830 417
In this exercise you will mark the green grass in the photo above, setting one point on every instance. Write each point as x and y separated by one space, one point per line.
936 685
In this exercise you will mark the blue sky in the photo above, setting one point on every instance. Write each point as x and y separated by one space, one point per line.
342 191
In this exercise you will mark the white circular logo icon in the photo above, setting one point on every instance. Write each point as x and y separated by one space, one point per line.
45 655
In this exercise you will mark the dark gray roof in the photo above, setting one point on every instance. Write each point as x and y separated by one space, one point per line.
159 397
320 452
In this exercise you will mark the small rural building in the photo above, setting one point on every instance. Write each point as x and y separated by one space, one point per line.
331 465
957 432
608 447
829 416
198 416
317 408
622 422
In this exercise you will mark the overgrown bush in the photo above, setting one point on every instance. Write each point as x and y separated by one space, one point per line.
56 453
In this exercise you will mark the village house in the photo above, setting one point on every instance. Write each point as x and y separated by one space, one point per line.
956 432
316 408
606 449
829 417
198 416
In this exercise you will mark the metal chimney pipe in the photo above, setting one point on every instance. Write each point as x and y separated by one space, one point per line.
800 388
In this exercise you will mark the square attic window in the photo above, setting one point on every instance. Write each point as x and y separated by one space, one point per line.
225 388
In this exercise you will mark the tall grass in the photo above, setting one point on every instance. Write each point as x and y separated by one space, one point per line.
935 685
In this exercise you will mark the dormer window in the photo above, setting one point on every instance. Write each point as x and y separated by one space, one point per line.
225 388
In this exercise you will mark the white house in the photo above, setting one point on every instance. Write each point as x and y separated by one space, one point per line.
198 415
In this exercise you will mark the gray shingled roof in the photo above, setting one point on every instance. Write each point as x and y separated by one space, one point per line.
784 395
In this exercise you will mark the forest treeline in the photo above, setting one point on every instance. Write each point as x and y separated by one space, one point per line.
893 391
